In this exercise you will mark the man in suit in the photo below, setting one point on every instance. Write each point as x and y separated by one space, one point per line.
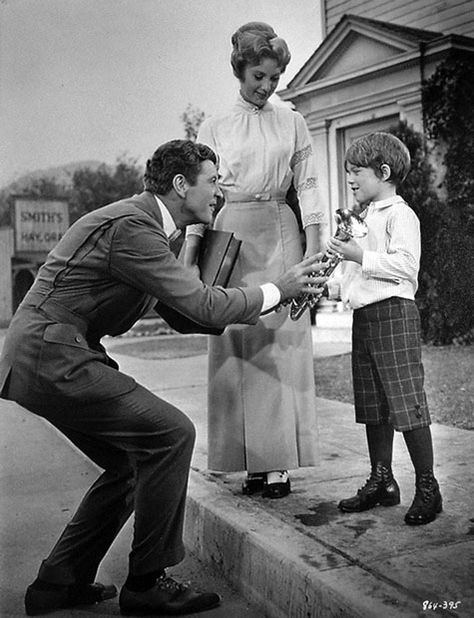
110 267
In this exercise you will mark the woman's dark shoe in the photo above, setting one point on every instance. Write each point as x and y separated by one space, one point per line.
380 488
427 502
277 484
167 597
42 598
253 484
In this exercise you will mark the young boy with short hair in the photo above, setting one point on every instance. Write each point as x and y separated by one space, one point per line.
379 279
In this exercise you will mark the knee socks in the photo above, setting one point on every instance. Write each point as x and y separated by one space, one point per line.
380 444
420 448
418 441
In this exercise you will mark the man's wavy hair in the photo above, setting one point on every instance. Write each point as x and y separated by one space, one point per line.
178 156
375 149
252 43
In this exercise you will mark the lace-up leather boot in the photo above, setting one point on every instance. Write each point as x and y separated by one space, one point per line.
427 502
380 488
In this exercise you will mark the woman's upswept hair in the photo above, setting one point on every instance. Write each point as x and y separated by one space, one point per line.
375 149
254 41
179 156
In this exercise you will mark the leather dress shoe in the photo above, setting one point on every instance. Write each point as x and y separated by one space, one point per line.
253 484
39 600
380 488
277 485
427 502
167 597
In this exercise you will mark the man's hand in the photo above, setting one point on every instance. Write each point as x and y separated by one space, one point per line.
298 278
349 249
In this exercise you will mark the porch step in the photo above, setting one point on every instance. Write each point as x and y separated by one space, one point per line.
333 326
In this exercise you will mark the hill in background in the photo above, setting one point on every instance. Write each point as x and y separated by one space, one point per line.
61 174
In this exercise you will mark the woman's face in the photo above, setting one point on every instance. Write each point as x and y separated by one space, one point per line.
260 81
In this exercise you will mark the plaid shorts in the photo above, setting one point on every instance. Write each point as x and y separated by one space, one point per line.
387 371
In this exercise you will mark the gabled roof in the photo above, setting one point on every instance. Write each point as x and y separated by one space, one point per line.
354 42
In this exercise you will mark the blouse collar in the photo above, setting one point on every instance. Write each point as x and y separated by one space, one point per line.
245 106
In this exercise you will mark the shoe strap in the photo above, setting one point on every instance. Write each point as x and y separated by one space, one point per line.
277 476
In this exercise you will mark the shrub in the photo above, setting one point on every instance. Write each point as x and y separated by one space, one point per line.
446 294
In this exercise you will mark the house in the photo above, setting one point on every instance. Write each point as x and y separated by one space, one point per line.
368 73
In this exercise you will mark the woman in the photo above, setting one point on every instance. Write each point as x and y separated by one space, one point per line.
261 385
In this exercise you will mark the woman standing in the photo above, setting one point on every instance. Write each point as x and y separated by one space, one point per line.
261 386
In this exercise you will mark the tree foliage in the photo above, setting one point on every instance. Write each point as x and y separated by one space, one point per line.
446 294
192 118
88 189
92 189
447 102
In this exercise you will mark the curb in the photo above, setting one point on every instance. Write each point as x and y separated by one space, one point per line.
276 567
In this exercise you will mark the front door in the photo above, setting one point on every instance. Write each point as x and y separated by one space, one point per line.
346 137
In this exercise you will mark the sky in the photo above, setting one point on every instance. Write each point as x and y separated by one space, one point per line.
100 79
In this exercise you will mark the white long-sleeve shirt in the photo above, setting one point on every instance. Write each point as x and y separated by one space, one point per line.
391 257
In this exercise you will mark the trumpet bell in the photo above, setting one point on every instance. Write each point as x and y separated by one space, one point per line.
350 224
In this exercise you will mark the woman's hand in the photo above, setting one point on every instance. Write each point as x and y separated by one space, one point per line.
313 245
191 251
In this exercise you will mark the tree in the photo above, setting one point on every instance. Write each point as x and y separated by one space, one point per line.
92 189
192 118
445 295
88 189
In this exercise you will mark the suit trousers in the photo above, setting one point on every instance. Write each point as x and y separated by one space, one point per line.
144 445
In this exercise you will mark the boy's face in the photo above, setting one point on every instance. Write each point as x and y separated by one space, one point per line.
366 186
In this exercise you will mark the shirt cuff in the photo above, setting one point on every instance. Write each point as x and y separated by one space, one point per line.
271 296
334 289
196 228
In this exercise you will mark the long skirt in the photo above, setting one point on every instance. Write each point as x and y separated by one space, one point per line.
261 394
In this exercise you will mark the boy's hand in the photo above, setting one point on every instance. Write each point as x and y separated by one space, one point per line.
349 249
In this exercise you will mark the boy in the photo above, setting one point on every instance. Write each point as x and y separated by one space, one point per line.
379 280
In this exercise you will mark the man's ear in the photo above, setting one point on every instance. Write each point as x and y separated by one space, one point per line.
386 171
180 185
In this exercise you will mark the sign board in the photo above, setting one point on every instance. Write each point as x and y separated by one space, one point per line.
39 224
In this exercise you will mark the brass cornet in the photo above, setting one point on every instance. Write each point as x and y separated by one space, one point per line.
349 225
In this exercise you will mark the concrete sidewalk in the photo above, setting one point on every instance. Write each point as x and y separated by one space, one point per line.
294 557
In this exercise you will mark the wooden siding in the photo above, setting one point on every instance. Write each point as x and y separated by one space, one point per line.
446 16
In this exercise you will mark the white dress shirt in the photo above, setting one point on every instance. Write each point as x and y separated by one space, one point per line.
271 293
391 257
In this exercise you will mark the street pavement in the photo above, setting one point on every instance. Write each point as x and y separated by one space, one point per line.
294 557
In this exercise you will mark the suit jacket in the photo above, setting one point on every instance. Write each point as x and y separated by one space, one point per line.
109 268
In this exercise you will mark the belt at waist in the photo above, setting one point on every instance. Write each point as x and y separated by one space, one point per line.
254 197
56 310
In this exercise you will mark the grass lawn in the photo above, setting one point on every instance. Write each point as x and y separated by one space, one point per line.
449 382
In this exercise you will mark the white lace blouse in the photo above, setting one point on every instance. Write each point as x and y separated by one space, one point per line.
261 150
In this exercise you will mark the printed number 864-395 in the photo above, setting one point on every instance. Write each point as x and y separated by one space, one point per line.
434 605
